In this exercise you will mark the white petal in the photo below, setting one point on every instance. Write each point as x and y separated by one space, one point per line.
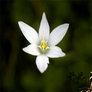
29 33
55 52
42 62
57 34
44 28
32 49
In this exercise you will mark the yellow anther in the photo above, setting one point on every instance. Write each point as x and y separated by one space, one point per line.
91 84
41 41
43 46
90 77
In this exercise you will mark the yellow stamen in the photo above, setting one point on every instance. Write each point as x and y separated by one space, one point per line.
91 85
90 77
43 46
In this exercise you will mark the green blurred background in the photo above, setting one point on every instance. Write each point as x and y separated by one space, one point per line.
18 71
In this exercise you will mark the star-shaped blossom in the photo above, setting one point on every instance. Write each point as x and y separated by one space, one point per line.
43 44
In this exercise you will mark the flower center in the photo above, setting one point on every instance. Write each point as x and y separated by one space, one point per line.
43 45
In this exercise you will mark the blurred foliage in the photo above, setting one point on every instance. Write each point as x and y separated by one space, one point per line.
18 71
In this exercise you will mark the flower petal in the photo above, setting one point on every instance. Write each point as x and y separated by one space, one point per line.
42 62
32 49
29 33
44 28
55 52
57 34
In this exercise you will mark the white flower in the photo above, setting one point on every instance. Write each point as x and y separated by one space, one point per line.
43 44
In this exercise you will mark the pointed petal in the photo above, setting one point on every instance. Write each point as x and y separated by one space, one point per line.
55 52
44 28
29 33
42 62
32 49
57 34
